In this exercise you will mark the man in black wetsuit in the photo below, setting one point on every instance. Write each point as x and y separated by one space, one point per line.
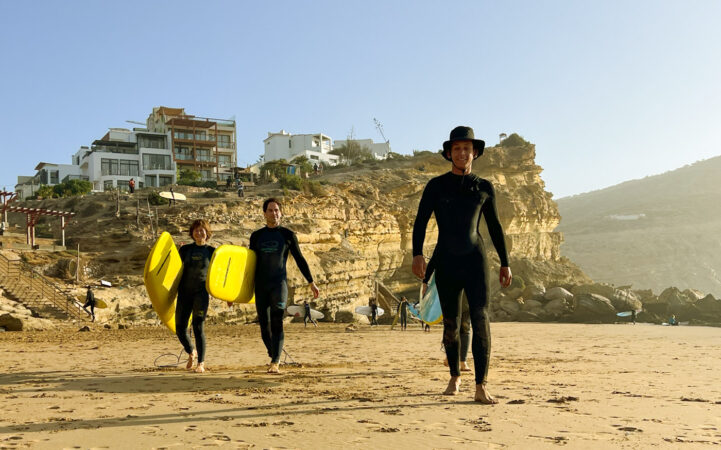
465 328
90 301
374 313
271 245
193 298
307 317
458 199
402 312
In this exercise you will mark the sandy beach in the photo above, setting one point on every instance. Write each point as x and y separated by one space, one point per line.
580 386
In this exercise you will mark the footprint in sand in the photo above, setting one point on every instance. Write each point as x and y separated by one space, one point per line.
191 428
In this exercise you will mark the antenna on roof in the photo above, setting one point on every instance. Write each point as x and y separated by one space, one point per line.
380 130
136 122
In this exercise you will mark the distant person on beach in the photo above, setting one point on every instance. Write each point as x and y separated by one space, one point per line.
90 302
458 199
672 320
193 298
402 312
271 245
465 328
633 316
374 313
307 316
131 185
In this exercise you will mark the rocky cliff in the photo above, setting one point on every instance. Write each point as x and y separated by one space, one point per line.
357 231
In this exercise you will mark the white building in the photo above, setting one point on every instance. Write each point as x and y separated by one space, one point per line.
379 150
111 162
315 147
46 173
123 154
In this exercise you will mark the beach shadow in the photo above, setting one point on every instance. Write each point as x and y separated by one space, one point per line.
242 414
159 382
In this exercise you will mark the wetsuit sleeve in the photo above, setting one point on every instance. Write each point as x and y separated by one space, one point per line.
494 226
425 208
430 267
298 256
253 245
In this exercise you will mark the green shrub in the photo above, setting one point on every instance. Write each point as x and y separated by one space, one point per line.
212 194
68 188
292 182
155 199
514 140
517 282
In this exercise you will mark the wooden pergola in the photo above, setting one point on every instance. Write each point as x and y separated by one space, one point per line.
32 216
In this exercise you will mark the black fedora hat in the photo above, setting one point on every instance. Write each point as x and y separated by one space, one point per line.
463 134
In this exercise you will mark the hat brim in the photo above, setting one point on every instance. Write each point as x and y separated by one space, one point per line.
478 145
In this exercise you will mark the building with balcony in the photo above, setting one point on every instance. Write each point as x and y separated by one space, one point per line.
315 147
201 144
379 150
49 174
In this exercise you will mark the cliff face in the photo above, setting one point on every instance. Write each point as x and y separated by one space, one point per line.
357 232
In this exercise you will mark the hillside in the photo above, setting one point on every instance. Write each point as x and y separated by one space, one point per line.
660 231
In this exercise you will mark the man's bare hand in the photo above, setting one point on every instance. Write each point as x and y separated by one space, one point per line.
419 266
505 277
314 288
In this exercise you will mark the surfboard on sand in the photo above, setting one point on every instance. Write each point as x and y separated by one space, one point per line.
430 304
172 195
231 274
299 311
162 273
368 311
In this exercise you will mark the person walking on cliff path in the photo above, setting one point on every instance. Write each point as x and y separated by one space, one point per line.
193 297
90 301
271 245
458 199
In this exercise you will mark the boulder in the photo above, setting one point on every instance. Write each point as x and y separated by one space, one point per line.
532 306
344 317
534 292
557 293
558 307
12 322
511 307
675 298
693 294
528 316
594 308
709 305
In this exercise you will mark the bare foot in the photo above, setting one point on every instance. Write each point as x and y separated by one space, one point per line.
191 358
464 367
445 361
454 386
482 395
274 369
200 368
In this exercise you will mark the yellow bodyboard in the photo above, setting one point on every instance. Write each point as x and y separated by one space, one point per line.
163 270
231 274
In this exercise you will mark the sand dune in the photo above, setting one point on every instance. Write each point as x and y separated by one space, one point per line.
584 386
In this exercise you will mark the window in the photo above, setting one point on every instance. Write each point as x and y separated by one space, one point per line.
109 167
150 181
128 168
224 141
206 174
156 162
151 141
183 153
224 160
165 180
108 185
202 154
54 176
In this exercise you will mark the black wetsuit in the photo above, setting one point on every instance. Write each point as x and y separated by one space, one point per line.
465 328
90 301
307 316
193 297
403 313
458 201
374 314
271 247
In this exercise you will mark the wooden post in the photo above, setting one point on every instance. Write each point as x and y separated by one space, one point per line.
77 270
150 217
117 202
137 213
62 231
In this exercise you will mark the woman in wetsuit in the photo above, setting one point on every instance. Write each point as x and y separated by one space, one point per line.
192 296
458 199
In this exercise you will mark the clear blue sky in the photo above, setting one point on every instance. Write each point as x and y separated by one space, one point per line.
607 90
